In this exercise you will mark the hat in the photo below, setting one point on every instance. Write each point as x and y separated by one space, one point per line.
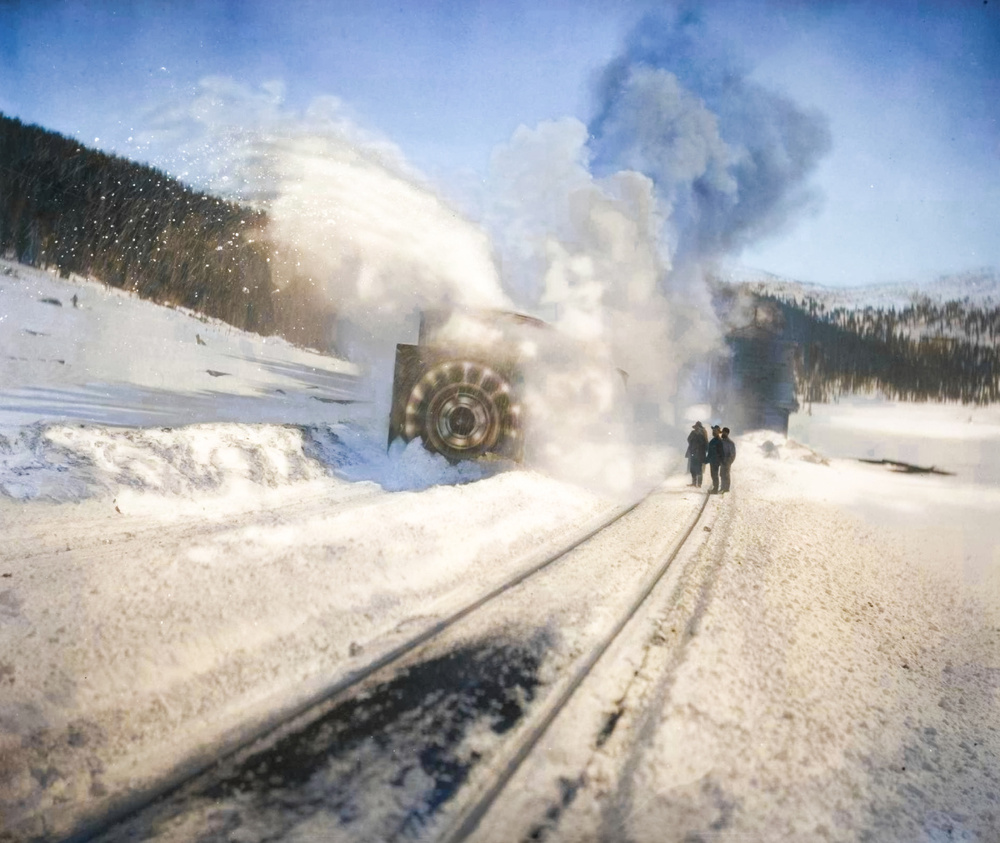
696 425
716 427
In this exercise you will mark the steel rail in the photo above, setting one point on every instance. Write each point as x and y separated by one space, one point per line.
471 815
198 765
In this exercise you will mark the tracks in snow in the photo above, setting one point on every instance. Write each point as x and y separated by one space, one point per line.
458 706
466 821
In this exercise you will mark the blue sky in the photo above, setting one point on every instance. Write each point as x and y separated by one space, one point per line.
910 91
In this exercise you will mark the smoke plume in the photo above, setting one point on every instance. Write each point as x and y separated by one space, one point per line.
729 157
608 229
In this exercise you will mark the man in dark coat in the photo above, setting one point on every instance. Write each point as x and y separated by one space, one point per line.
715 456
697 444
728 458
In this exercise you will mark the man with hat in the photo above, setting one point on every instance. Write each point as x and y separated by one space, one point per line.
715 457
697 443
728 458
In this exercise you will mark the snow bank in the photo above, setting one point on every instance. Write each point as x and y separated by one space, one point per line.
78 350
143 628
160 469
958 438
841 681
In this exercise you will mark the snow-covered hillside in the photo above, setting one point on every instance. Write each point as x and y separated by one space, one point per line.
980 287
79 350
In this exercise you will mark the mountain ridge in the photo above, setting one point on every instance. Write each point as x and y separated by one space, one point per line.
979 287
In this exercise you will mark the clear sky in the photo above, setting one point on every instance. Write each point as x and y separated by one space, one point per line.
908 187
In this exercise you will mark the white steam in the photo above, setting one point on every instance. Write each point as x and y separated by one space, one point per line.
589 254
609 228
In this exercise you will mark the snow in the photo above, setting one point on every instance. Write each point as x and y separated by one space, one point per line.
113 358
975 287
852 672
185 557
840 678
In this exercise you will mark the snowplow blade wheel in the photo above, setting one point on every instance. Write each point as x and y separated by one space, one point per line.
460 407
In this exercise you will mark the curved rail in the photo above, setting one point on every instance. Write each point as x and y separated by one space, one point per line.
200 765
470 817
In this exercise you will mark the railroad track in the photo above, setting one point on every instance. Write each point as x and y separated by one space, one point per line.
466 821
434 668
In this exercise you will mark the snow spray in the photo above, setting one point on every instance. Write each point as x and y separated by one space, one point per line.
353 228
610 229
606 229
378 245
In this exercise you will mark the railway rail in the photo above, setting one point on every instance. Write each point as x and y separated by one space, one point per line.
468 819
318 723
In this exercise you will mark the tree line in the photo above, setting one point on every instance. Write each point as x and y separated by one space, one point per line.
132 226
925 351
923 317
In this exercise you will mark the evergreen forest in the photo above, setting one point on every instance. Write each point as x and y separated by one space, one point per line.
925 351
68 207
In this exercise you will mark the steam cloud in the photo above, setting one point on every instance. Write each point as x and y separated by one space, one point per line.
608 229
728 156
604 229
587 253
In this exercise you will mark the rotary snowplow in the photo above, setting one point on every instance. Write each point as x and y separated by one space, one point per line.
460 388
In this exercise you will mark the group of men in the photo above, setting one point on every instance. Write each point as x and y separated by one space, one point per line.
719 452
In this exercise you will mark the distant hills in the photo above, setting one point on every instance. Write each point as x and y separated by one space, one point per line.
937 341
979 288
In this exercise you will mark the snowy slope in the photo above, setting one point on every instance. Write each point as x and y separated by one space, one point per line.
78 350
980 287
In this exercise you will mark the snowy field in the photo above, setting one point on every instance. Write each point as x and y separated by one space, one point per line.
201 528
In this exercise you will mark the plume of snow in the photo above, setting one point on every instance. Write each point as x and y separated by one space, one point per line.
345 209
353 225
604 229
379 244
